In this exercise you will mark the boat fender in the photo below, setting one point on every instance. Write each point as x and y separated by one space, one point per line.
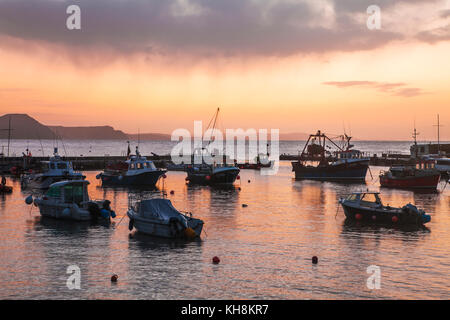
189 233
131 224
29 199
66 212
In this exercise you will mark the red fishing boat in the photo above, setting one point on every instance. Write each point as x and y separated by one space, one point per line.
423 176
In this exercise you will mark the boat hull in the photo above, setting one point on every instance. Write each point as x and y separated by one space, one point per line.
223 177
149 178
426 182
355 171
162 229
58 211
381 216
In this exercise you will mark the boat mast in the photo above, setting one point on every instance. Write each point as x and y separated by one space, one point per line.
9 133
438 134
415 134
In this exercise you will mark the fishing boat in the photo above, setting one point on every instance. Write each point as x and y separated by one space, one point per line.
422 176
158 217
69 200
346 164
212 174
54 170
216 171
136 171
367 206
261 161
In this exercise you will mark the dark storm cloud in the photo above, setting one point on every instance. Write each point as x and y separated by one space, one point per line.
210 27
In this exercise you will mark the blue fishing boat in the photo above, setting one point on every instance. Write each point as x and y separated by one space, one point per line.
345 164
367 206
138 171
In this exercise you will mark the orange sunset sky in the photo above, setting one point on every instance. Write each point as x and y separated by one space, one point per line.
296 65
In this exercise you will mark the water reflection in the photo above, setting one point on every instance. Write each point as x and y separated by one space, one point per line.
265 248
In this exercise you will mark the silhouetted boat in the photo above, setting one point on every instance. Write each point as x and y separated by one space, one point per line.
136 171
367 206
422 176
345 165
212 174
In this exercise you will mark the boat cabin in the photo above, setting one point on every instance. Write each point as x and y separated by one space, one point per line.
365 199
74 191
140 163
136 163
56 166
350 154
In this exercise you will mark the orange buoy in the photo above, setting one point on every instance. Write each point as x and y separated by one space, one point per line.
315 260
216 260
114 278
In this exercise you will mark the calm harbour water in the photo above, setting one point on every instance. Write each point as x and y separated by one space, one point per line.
119 147
265 248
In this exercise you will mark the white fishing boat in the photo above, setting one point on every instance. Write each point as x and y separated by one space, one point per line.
70 200
158 217
54 170
136 171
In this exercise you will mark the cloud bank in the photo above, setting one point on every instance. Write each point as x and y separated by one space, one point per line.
209 27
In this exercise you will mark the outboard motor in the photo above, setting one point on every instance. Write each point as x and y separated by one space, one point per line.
94 210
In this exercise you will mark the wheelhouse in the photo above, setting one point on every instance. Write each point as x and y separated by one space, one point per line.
69 192
365 199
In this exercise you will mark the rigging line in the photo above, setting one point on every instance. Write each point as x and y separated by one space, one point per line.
215 120
117 225
209 124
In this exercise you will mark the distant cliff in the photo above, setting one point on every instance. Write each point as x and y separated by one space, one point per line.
85 133
24 127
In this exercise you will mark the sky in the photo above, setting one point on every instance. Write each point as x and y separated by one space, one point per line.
293 65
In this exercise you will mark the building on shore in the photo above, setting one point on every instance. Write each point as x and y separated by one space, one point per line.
419 150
